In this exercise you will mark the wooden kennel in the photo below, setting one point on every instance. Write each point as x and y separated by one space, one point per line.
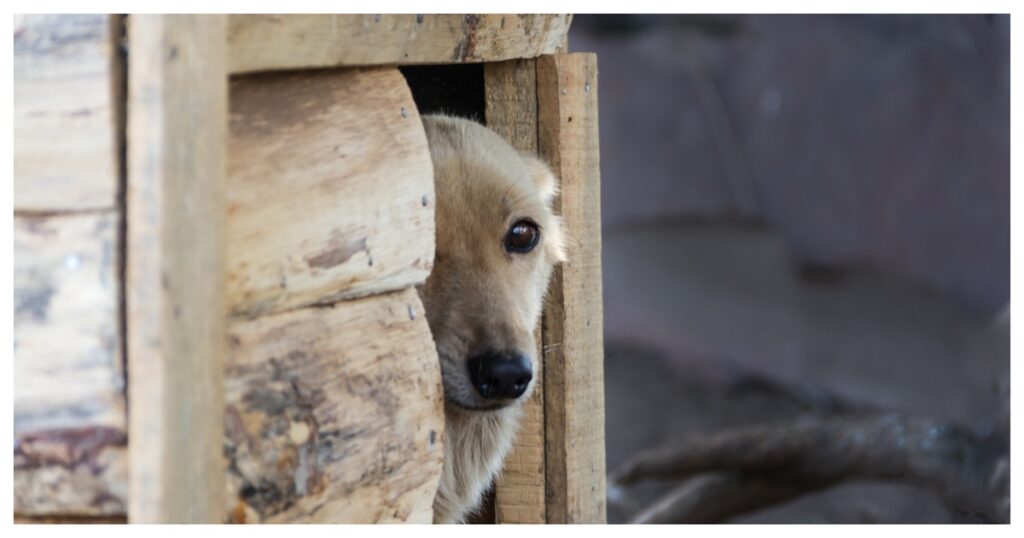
219 222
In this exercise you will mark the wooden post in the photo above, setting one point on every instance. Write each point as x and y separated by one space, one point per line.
572 333
177 125
510 92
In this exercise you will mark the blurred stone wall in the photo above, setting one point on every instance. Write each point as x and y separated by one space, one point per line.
874 141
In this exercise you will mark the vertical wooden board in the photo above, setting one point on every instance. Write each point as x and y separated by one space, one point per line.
330 189
511 110
69 408
334 414
65 141
573 343
177 128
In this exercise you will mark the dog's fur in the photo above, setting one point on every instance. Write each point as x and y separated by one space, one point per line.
480 296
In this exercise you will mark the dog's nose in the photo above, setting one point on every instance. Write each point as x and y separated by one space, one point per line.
500 375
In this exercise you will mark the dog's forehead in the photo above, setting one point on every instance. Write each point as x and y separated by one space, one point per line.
487 184
482 182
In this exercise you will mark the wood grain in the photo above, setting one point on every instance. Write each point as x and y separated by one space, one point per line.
510 90
330 189
65 145
573 343
334 414
177 135
273 42
69 406
20 519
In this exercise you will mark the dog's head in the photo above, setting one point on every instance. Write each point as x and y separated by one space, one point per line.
497 242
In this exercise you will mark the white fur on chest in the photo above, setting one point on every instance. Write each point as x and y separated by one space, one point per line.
475 446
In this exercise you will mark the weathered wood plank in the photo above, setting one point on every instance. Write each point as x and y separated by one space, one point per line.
574 356
510 90
65 145
330 189
334 414
69 408
20 519
176 168
271 42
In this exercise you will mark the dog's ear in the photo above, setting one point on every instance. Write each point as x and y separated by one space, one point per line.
546 183
543 179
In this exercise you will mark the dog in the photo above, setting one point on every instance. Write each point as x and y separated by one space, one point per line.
498 241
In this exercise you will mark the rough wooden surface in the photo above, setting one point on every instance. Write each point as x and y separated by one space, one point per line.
269 42
334 414
574 356
510 90
176 167
65 154
330 189
69 408
68 520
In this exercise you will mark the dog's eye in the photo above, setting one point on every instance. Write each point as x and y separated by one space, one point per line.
522 236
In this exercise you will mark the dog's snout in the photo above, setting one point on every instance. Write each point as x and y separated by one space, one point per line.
499 375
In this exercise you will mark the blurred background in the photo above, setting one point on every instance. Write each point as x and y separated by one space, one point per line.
806 218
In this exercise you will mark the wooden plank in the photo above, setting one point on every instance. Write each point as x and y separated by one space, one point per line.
334 415
574 356
510 90
272 42
68 520
69 408
330 189
176 167
65 142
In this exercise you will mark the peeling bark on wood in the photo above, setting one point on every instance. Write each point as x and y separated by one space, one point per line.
69 407
81 472
334 414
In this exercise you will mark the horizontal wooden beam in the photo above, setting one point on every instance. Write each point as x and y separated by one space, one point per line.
65 92
330 189
69 406
334 414
274 42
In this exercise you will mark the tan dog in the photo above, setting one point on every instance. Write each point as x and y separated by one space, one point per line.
497 242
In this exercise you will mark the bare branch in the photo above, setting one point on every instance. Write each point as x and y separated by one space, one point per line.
782 461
